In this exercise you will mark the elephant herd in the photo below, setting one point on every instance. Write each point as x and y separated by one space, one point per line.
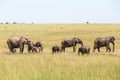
19 42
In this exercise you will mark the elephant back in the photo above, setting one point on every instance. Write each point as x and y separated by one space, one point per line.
67 43
13 39
38 44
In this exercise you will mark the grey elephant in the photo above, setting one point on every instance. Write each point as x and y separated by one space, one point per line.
71 43
17 42
34 49
104 42
84 50
34 46
39 45
55 49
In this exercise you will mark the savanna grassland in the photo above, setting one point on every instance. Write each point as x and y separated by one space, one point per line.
62 66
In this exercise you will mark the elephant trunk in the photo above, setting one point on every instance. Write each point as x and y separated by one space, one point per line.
113 46
82 43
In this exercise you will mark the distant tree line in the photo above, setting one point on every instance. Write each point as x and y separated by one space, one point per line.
15 23
25 23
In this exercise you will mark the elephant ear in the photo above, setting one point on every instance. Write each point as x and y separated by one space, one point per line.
22 40
75 40
27 40
113 38
78 40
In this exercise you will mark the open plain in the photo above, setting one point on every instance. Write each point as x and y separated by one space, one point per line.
61 66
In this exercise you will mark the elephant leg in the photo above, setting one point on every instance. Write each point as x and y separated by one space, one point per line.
74 49
98 49
109 49
82 53
56 51
10 48
94 49
106 48
78 53
88 51
13 50
113 46
33 51
21 48
29 49
40 49
53 51
62 49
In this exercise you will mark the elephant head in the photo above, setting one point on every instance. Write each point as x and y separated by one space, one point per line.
80 49
112 39
78 41
24 40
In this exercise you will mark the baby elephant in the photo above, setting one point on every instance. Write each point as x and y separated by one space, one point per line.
84 50
34 49
34 46
39 46
55 49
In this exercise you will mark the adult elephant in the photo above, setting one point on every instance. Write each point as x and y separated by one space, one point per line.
17 42
70 43
104 42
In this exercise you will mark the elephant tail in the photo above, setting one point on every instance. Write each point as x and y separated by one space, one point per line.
9 46
62 46
95 46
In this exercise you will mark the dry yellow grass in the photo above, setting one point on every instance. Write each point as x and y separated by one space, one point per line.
63 66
